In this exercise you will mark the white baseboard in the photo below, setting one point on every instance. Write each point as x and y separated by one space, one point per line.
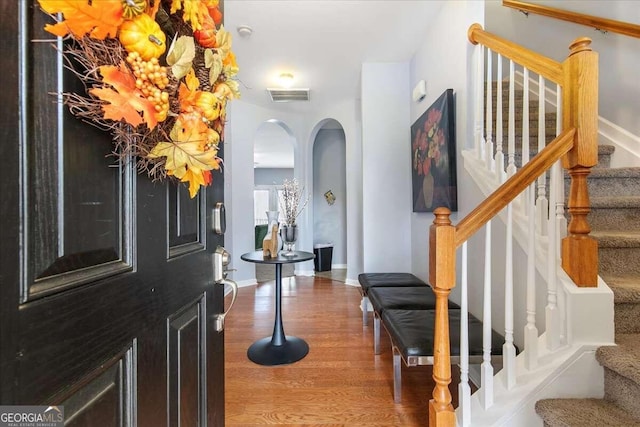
249 282
352 282
627 145
310 273
338 266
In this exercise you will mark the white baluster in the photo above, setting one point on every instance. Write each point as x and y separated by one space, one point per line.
530 330
488 150
542 204
479 129
525 118
499 158
486 369
511 130
561 220
508 349
551 311
525 133
464 390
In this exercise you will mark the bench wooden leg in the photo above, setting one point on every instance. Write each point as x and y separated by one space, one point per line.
376 334
364 304
397 376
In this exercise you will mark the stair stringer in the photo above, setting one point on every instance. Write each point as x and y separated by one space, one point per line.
571 371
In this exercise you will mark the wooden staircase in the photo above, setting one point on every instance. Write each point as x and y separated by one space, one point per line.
615 222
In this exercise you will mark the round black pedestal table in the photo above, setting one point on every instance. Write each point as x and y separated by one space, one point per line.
278 349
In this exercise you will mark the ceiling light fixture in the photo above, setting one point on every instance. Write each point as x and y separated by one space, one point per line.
244 31
285 79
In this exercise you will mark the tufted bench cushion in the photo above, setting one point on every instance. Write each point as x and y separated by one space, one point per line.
411 333
405 298
372 280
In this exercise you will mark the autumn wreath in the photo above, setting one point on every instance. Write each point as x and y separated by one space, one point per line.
158 75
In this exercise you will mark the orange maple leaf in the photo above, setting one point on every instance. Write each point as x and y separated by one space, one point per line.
125 101
99 19
188 157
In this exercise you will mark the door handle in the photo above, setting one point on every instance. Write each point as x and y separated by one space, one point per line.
220 263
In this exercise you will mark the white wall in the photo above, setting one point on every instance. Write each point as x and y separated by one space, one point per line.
329 173
386 173
619 85
444 61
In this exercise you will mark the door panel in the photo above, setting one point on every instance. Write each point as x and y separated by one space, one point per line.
187 218
187 358
106 295
106 398
68 226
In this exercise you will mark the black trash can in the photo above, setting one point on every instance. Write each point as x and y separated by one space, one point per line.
323 253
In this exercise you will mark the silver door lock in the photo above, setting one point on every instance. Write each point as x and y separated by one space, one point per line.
220 262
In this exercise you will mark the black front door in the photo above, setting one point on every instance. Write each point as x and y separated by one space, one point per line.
106 293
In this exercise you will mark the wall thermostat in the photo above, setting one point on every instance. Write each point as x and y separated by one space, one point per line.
420 91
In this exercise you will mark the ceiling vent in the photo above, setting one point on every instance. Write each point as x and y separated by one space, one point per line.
286 95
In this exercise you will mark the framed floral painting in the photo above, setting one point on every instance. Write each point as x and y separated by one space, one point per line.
433 157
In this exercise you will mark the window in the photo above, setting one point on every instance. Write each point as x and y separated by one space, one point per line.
266 198
260 206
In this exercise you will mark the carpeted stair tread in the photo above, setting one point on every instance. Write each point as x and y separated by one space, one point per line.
618 202
624 358
626 289
606 149
630 172
583 413
617 239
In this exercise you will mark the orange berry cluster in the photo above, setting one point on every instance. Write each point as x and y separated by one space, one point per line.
151 78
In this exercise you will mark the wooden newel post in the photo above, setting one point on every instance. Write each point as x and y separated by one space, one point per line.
442 259
580 106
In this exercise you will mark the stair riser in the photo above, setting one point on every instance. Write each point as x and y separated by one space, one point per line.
602 219
626 318
619 261
622 391
610 186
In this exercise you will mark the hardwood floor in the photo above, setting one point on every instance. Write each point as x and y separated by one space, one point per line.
339 383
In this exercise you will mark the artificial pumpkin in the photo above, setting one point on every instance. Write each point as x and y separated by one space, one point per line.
208 104
206 35
143 35
133 8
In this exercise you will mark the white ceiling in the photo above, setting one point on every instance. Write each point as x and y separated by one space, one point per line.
323 44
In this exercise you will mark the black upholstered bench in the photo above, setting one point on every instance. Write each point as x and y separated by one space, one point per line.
411 333
406 298
372 280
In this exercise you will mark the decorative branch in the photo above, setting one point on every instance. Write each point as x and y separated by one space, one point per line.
290 201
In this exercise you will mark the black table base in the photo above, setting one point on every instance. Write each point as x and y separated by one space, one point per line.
264 352
278 349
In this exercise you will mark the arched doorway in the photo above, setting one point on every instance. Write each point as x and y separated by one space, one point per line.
273 162
330 200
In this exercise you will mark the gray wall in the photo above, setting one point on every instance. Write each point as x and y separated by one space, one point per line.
271 176
329 173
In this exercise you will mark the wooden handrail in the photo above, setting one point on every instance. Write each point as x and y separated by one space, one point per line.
515 185
539 64
596 22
